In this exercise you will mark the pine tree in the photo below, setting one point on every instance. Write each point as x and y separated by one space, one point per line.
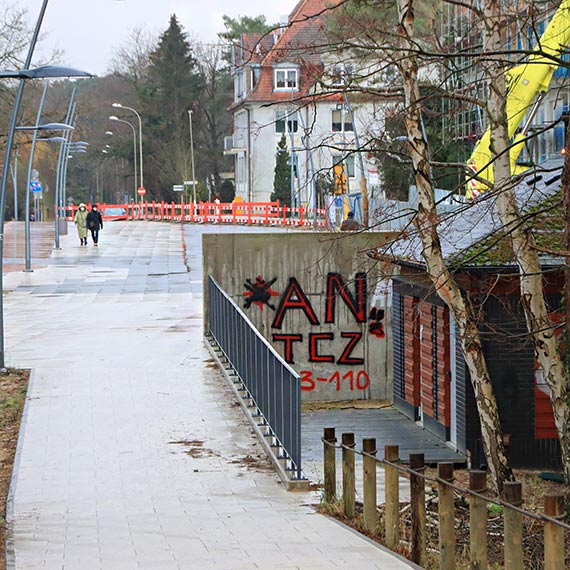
282 180
173 86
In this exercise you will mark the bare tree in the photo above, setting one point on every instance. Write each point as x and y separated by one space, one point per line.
445 284
132 59
524 248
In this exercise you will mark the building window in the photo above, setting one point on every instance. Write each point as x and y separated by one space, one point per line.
348 161
285 79
286 122
341 73
341 122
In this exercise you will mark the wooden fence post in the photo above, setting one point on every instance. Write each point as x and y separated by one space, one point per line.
513 526
348 483
446 512
391 453
478 521
553 534
418 504
329 454
369 485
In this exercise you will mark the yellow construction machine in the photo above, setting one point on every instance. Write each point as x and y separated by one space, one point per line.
527 85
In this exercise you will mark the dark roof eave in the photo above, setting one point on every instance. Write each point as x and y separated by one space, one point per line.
506 267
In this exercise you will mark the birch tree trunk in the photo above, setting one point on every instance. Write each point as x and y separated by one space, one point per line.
443 281
526 255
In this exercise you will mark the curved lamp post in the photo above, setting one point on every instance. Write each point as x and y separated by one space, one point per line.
36 128
118 105
114 118
22 75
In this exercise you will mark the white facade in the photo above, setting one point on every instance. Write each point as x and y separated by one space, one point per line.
320 136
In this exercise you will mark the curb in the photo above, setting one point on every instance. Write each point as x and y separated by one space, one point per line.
10 550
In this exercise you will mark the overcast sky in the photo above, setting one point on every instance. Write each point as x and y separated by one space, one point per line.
89 30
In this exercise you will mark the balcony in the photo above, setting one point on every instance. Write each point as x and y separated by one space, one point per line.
230 146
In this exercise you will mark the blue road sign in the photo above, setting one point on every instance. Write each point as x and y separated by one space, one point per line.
35 186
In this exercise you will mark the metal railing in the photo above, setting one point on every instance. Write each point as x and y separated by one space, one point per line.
272 385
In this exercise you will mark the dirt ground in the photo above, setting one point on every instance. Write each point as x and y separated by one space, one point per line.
13 386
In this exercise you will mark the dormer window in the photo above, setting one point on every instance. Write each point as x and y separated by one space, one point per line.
286 79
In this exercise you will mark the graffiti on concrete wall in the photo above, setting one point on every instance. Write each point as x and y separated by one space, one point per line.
341 348
259 292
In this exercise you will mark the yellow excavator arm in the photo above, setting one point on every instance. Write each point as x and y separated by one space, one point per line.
526 86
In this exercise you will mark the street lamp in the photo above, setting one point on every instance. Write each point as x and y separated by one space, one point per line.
22 75
36 128
118 105
114 118
192 156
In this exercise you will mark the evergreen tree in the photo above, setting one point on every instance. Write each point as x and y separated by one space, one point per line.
172 87
282 180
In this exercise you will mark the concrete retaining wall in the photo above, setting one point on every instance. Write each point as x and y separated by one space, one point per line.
319 299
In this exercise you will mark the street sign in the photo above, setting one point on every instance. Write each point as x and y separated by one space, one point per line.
141 191
189 182
35 186
178 188
35 174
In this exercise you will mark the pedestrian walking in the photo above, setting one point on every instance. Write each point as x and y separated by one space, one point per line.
94 223
350 224
81 223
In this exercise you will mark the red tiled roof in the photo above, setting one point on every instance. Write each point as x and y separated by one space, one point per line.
302 42
252 48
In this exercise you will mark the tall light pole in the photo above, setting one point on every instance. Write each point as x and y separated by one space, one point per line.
15 181
114 118
192 155
29 179
78 147
60 163
140 140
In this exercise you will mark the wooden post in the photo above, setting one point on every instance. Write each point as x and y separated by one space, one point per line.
369 485
348 483
329 454
512 492
478 521
553 534
391 453
418 505
446 512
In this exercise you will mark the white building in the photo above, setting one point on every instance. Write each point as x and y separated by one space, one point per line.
287 82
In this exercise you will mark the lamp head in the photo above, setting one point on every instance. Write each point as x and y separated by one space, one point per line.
114 118
116 105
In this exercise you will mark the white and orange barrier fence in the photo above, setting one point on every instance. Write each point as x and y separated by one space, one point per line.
254 213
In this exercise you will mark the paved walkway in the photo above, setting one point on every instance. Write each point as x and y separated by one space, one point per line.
134 454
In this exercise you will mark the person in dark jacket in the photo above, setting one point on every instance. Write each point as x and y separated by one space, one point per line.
94 223
350 224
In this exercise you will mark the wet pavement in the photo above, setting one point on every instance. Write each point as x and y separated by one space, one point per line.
133 452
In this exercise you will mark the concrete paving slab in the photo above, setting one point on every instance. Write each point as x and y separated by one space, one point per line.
120 375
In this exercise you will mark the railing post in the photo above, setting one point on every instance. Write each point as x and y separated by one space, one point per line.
553 534
348 483
391 453
369 484
478 521
329 454
446 512
418 505
513 526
